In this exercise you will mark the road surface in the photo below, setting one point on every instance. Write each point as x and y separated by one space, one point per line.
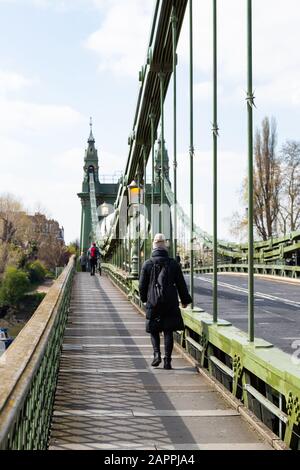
277 306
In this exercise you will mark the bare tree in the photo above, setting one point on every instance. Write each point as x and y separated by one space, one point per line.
267 179
52 252
266 185
289 208
10 214
24 237
239 226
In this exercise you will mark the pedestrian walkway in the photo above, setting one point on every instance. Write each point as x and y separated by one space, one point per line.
109 397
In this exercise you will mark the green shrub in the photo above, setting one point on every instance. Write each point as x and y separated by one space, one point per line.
36 271
50 275
15 284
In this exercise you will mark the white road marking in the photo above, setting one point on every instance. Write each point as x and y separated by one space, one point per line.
256 294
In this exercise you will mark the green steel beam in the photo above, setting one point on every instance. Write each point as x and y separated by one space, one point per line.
215 166
174 21
191 157
250 102
162 150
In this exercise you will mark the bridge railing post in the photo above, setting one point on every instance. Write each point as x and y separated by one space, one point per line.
191 152
215 168
250 104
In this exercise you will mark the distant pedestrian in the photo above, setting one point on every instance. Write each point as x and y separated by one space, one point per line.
160 283
99 266
93 255
83 261
178 259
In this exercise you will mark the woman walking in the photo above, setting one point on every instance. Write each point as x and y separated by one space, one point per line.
161 282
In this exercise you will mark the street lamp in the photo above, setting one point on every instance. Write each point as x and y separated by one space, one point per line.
136 193
104 211
135 196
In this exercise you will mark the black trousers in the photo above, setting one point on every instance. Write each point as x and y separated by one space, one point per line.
93 263
168 339
83 268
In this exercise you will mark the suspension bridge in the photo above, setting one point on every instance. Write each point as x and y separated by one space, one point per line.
78 374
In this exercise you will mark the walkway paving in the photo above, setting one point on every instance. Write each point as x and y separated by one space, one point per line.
109 397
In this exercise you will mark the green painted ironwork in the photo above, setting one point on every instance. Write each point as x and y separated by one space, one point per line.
237 359
152 117
162 150
95 225
215 167
258 374
160 59
29 368
145 203
265 269
250 102
248 362
174 42
191 156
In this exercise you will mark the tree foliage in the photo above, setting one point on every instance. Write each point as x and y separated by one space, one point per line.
25 238
15 284
36 271
73 248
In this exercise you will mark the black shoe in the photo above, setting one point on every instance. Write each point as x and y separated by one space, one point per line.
167 363
157 360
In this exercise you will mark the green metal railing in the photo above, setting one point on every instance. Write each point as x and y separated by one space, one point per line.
29 368
263 378
235 359
264 269
155 77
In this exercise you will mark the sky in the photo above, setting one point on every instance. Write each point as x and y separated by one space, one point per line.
62 61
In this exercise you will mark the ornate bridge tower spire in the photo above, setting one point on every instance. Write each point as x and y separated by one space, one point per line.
91 165
157 167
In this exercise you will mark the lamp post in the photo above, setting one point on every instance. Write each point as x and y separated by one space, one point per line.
135 195
104 212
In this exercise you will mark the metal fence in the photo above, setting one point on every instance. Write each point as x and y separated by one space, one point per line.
263 269
29 368
265 379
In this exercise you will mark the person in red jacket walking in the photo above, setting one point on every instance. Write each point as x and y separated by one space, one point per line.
94 255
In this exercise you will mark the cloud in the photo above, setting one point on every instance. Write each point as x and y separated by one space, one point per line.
120 46
275 36
32 167
203 190
38 3
61 5
12 81
31 118
283 90
203 91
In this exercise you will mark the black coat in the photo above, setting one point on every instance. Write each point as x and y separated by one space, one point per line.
170 315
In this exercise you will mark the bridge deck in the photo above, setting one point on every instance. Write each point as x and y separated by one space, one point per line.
109 397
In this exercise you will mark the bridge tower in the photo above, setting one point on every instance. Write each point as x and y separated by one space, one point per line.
90 165
157 167
105 192
167 229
